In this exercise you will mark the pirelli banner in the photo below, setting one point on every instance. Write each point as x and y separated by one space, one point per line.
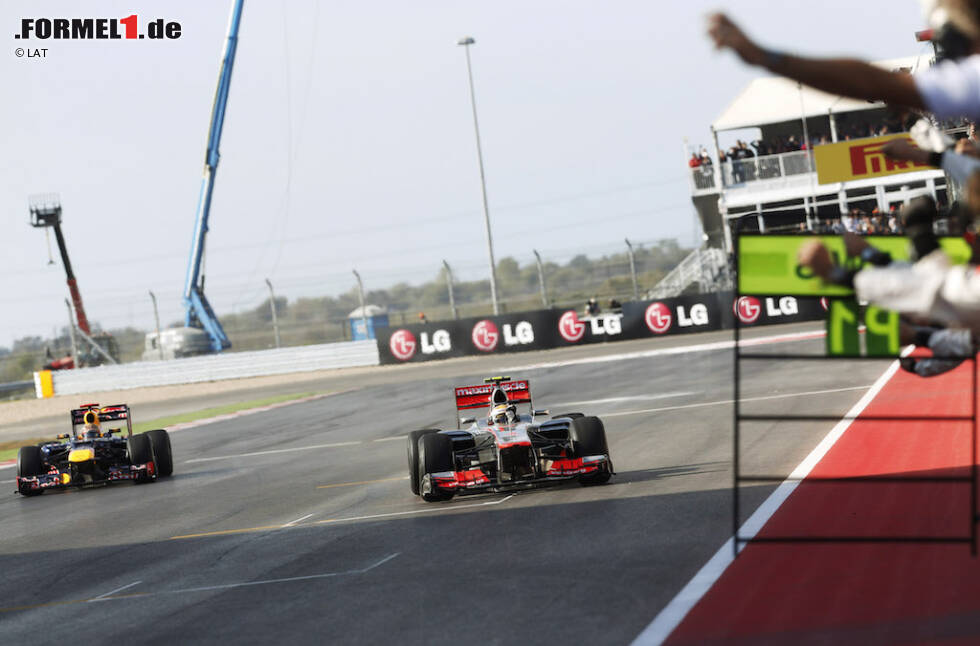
556 328
860 159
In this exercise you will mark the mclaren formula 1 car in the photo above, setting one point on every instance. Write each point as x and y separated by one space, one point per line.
505 449
94 453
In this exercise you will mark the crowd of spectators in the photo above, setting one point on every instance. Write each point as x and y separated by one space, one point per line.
862 222
847 129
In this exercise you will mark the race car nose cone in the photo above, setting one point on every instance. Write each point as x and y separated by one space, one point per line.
81 455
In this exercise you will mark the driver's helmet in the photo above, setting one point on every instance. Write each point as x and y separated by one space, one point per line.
91 429
503 414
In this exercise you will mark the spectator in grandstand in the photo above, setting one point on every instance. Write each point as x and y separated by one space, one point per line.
948 89
592 307
705 157
694 161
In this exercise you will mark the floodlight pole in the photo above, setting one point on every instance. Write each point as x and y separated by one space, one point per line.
629 251
465 42
452 296
544 292
275 318
156 318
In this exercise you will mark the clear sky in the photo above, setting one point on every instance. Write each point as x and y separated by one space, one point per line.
349 139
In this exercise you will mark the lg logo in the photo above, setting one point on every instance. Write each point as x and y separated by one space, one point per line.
572 329
748 308
404 345
486 336
659 317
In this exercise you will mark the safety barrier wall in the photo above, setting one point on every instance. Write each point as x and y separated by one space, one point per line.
555 328
230 365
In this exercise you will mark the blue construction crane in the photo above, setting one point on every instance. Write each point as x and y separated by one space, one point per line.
199 312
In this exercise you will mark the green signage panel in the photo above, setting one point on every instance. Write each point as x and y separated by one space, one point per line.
881 332
768 267
842 328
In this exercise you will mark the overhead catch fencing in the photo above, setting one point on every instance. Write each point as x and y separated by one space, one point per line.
215 367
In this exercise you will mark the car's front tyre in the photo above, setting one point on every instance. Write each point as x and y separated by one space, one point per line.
140 451
588 437
29 463
162 455
435 456
413 457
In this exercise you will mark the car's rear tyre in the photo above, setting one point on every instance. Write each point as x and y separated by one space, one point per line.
413 457
570 415
435 455
140 451
162 455
588 437
29 463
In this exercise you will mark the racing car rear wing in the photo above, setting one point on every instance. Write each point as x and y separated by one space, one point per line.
518 392
105 413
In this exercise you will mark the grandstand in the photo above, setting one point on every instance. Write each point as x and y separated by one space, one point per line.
778 191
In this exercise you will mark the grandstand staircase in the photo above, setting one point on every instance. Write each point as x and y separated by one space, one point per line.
707 267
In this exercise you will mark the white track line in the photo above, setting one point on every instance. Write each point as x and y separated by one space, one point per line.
390 439
675 611
298 520
243 584
614 400
732 401
414 511
105 597
273 451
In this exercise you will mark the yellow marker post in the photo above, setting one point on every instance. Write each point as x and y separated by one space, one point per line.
43 384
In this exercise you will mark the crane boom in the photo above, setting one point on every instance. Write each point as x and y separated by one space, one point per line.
198 311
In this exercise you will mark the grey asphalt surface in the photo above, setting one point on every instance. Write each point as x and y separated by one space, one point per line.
298 524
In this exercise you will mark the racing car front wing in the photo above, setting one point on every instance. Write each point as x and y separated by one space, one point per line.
476 480
62 479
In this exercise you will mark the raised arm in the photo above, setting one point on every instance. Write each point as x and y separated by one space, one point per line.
845 76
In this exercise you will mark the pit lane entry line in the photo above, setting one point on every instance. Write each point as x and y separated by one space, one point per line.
674 612
208 588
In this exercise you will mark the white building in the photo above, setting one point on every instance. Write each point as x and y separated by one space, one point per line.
779 192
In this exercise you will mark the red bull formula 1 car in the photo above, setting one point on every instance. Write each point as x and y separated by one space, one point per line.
504 449
94 453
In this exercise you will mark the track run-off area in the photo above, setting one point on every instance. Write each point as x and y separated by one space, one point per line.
297 523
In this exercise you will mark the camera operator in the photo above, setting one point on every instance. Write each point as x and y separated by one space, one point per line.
949 89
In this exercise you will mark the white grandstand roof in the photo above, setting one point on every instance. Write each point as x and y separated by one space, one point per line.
777 100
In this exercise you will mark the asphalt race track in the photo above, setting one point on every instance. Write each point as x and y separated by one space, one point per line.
298 524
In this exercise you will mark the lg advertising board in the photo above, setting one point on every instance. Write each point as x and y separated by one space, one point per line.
556 328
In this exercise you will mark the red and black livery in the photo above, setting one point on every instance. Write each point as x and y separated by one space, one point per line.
94 453
505 451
